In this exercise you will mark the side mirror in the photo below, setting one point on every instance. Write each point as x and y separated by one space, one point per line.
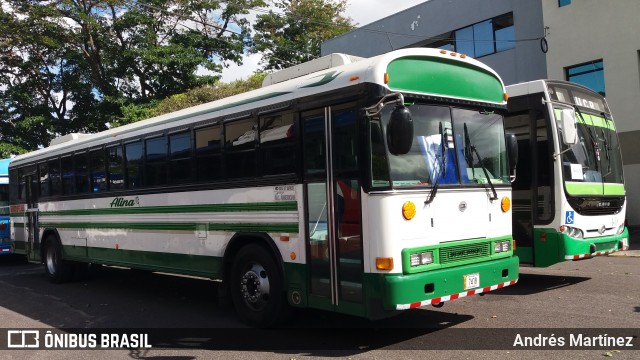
569 128
512 150
400 131
512 153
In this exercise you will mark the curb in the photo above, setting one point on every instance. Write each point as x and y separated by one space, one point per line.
628 253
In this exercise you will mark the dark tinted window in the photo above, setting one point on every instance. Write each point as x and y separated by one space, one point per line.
45 179
133 154
277 141
208 158
68 175
115 158
156 161
240 158
54 174
82 167
180 163
98 171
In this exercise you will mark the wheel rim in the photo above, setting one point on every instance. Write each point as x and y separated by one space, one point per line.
254 287
51 260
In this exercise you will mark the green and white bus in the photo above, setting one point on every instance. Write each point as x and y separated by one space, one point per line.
361 186
569 195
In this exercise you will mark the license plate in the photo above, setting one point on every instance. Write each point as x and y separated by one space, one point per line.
471 281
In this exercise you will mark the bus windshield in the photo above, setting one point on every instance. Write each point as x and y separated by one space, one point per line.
442 152
596 157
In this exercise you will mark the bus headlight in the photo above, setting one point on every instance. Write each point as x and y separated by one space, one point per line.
422 258
620 229
501 246
572 231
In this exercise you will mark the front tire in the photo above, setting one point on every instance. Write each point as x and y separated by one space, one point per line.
57 270
256 285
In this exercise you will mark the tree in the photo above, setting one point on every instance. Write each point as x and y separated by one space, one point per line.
74 65
294 35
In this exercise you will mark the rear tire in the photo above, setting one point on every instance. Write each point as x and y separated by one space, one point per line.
257 287
57 270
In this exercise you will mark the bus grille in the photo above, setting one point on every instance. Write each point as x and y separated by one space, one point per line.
605 246
451 254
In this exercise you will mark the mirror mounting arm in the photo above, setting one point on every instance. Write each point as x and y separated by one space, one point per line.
386 100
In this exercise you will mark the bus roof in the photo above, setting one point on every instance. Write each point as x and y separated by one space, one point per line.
369 70
540 85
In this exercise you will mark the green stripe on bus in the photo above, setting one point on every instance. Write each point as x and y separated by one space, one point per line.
271 228
590 119
590 188
444 77
173 209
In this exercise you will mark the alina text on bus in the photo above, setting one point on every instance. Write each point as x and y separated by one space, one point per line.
361 186
569 195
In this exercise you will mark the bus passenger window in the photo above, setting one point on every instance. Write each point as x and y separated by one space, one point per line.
133 160
180 152
68 176
116 171
156 161
277 139
98 171
45 180
82 172
208 153
54 174
240 156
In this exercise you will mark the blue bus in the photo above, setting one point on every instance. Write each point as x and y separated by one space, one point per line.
6 246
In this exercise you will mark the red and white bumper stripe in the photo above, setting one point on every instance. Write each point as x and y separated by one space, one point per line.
454 296
582 256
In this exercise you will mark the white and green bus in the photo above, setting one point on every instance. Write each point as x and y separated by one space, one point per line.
361 186
569 195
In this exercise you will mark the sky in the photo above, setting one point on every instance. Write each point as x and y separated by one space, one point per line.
362 12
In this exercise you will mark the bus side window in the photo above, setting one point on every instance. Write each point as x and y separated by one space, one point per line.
180 157
68 176
115 160
98 171
133 160
82 172
45 185
277 154
314 145
209 153
54 174
156 161
240 148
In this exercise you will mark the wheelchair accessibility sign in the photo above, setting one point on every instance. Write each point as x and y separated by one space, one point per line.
568 218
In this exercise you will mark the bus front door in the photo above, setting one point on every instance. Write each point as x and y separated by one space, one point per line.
31 227
333 210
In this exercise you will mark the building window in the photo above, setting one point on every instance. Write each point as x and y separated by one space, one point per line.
480 39
590 74
562 3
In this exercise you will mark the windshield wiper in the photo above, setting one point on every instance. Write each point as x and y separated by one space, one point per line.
472 149
592 137
443 163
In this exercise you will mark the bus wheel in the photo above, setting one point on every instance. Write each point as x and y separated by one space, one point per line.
257 287
58 270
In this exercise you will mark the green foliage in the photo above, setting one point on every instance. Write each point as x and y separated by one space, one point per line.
295 37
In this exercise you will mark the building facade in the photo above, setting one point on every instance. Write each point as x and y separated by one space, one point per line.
591 42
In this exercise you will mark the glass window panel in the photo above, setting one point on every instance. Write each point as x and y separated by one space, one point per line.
505 39
208 140
180 144
483 38
98 171
240 164
133 159
68 175
45 180
209 168
562 3
116 169
82 178
240 135
464 41
590 75
156 149
54 174
314 145
180 171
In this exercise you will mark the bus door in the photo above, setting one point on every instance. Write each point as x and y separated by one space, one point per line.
333 210
31 183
